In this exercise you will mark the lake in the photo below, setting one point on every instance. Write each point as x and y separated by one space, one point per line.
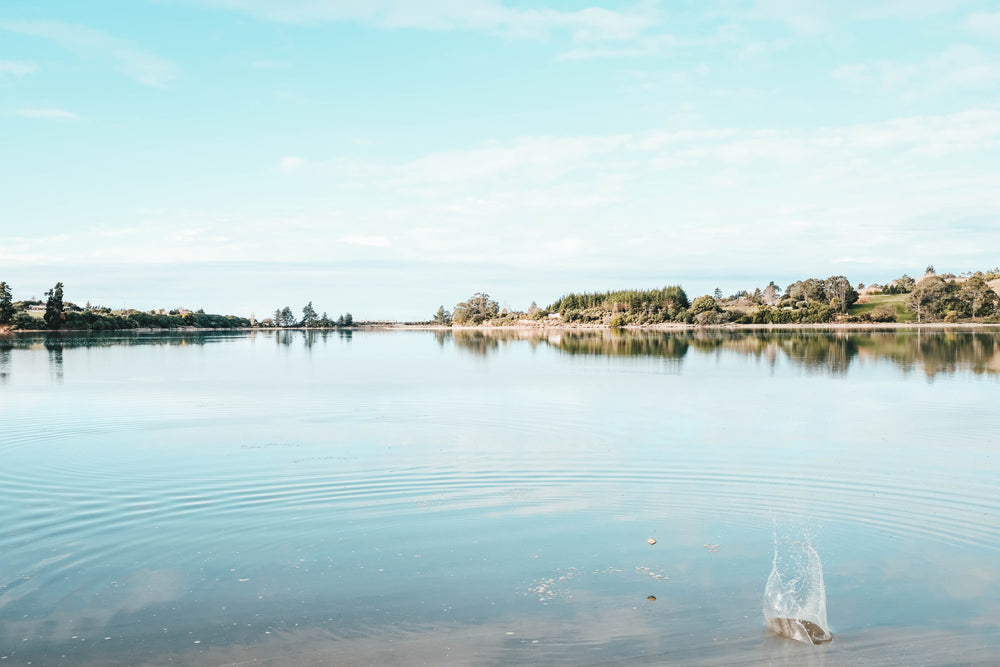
413 497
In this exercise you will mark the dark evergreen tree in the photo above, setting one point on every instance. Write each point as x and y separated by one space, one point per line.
309 317
6 304
54 307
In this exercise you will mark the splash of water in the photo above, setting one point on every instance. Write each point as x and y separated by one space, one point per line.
795 595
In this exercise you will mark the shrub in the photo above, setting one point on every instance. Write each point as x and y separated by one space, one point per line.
882 313
26 321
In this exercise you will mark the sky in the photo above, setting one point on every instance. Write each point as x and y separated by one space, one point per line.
385 157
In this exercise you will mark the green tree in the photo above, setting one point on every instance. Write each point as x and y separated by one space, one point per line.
480 307
810 289
348 320
286 317
926 297
309 316
717 294
904 285
975 293
703 304
6 304
839 288
443 317
54 307
770 294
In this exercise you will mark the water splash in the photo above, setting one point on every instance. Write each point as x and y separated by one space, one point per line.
795 595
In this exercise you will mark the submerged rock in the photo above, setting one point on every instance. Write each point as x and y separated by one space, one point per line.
795 595
799 630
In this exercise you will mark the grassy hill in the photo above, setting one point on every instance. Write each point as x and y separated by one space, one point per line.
896 300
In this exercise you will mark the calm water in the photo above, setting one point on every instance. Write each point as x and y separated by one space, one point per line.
421 498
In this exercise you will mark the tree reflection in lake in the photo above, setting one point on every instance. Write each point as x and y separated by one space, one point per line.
55 347
827 352
4 362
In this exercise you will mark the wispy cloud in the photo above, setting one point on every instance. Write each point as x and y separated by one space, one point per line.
984 24
370 241
17 67
133 61
591 23
290 163
47 114
959 66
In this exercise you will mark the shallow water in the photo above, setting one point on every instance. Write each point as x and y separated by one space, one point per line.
419 498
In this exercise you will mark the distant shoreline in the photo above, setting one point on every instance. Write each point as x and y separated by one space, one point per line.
680 326
534 325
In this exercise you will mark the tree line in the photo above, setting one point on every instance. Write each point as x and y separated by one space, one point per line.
59 314
934 297
284 317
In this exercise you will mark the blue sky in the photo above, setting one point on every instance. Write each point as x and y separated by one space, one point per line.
386 157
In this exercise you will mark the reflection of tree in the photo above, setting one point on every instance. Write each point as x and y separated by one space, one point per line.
825 352
480 342
4 363
624 344
820 351
55 347
816 351
953 351
73 339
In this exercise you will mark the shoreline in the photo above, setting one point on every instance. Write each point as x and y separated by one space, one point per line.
675 326
552 327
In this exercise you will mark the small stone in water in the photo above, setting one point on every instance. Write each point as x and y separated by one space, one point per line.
651 541
651 598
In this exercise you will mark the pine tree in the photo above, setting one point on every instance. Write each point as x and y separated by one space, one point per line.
6 304
54 307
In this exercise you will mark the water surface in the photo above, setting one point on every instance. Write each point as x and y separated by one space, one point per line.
470 498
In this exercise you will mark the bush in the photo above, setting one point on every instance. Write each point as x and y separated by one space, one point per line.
882 313
703 304
951 316
26 321
709 317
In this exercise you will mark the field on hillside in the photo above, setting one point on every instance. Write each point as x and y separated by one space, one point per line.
896 300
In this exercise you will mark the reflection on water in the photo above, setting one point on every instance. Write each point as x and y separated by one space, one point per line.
831 352
932 352
55 348
477 497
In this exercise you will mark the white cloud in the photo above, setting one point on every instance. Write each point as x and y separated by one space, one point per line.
370 241
958 67
538 158
141 65
290 163
47 114
17 67
984 24
591 23
798 198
